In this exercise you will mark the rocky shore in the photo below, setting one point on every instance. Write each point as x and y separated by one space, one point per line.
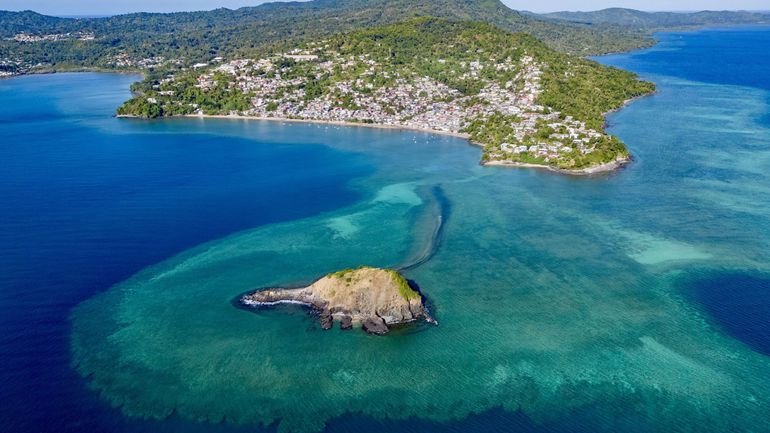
373 298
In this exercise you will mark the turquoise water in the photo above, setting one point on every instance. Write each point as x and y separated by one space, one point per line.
565 304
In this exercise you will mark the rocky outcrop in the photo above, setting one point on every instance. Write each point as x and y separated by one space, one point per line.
375 298
326 320
346 322
375 326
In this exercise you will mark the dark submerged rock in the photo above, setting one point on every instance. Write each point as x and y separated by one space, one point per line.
326 320
346 322
375 326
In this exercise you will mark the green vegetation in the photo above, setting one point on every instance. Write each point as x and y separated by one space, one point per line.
496 128
406 291
463 56
575 87
192 37
185 97
586 90
346 273
141 107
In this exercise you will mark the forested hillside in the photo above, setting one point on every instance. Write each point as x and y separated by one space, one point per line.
520 99
125 41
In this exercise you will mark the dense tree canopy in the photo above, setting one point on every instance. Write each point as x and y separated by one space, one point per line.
200 36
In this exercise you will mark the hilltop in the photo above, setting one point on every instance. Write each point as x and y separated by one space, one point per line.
31 42
522 101
149 40
372 297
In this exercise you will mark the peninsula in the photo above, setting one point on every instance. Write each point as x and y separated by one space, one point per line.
524 103
372 297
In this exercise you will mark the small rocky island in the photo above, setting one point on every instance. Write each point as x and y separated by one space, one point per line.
375 298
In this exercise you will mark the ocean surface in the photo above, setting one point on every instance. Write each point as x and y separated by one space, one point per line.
633 302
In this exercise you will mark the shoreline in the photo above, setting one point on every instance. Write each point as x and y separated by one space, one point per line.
626 103
606 168
84 70
372 297
597 169
318 122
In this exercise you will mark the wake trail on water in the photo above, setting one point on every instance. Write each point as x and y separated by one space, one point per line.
440 210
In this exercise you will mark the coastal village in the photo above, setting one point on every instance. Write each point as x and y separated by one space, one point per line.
365 91
15 65
316 82
56 37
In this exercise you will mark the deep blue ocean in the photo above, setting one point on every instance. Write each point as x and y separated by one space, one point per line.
88 200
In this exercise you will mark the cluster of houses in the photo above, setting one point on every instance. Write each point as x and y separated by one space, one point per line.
123 60
406 100
10 67
75 36
420 103
564 136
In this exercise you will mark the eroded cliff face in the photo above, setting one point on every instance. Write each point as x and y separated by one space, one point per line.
375 298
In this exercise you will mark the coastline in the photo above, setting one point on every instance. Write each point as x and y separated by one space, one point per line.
597 169
626 103
605 168
320 122
77 70
372 297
